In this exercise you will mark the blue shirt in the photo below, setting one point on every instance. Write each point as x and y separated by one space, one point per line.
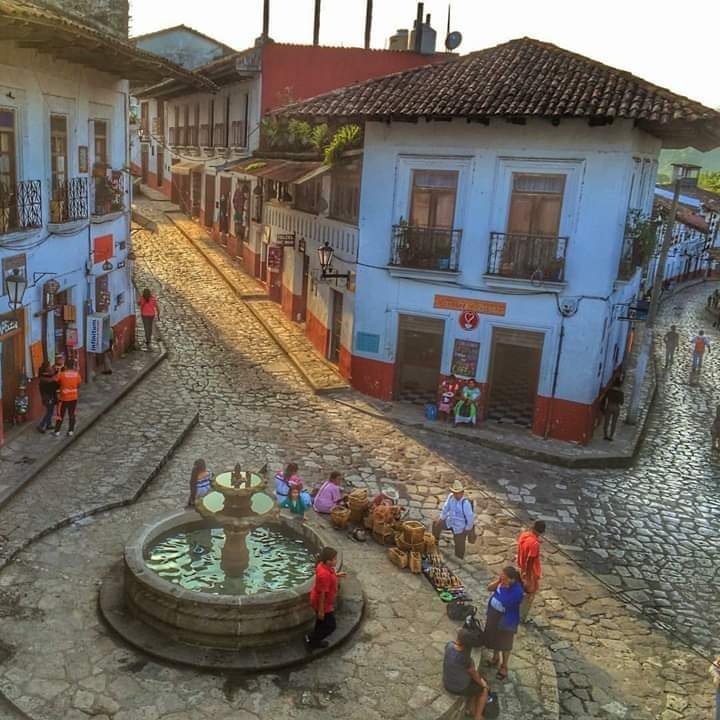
507 600
457 514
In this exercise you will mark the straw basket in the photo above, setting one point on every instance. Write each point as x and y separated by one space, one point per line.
403 544
384 537
368 521
398 557
356 515
413 531
430 542
357 499
339 517
415 562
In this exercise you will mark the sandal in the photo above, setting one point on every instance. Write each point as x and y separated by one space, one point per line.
492 662
502 674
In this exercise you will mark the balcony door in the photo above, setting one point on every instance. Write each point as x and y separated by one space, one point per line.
533 224
58 167
419 355
8 207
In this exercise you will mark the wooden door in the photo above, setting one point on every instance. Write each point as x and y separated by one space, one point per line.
195 194
145 162
160 167
11 348
225 205
209 200
514 375
419 356
304 294
336 327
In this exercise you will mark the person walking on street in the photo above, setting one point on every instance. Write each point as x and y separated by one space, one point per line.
69 381
699 344
149 312
528 560
613 400
460 676
671 340
322 599
457 515
49 387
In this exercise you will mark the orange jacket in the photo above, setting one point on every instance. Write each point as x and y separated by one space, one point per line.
528 559
69 383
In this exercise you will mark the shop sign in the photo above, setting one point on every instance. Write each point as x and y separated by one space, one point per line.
287 240
301 246
94 335
482 307
274 257
8 327
469 320
465 358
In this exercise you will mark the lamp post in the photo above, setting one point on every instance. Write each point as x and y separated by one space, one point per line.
16 284
326 255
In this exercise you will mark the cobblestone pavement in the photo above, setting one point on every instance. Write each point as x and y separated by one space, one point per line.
254 405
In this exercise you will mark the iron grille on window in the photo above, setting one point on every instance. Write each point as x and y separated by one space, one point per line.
69 200
425 248
238 133
192 136
172 134
109 193
527 257
20 206
204 136
219 139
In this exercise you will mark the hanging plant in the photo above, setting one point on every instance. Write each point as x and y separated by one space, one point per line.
643 232
345 138
299 134
320 137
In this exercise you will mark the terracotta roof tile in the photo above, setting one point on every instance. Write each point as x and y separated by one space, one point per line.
525 78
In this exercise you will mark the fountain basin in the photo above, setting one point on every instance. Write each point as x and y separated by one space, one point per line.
211 619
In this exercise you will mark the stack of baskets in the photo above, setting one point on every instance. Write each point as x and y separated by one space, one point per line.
383 525
358 504
340 517
411 538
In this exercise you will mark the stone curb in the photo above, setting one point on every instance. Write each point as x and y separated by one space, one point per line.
5 702
60 447
246 297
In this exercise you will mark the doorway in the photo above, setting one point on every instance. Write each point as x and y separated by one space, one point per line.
209 200
145 162
302 311
336 327
224 207
514 374
12 361
196 193
419 356
160 167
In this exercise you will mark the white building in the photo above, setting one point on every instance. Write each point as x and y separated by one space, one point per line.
495 192
64 190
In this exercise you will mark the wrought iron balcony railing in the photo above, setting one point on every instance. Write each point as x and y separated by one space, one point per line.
20 206
219 136
109 193
69 200
527 257
425 248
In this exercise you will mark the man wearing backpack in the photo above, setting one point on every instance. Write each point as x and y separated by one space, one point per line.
457 515
699 343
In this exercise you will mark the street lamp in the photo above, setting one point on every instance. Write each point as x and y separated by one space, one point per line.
16 284
326 254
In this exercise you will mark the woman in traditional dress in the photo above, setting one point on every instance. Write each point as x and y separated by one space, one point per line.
466 406
503 618
447 393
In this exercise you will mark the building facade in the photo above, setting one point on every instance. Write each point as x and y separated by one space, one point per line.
64 193
493 238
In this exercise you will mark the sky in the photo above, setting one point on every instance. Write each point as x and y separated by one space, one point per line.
673 44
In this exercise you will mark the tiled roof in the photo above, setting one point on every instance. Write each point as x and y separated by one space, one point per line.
518 79
685 215
709 199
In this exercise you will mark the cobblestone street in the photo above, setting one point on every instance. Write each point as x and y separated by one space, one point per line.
644 537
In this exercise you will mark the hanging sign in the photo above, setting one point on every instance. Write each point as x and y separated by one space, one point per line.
469 320
8 326
94 335
286 240
465 358
71 336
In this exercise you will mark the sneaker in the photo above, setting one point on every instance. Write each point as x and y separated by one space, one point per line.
70 433
56 434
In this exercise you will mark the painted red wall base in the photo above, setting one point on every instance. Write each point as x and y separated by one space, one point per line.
373 377
124 335
232 246
317 333
570 421
345 363
292 305
250 260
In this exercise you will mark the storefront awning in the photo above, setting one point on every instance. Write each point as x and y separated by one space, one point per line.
185 167
286 171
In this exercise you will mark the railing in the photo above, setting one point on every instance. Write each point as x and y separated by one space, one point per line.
631 258
343 238
527 257
425 248
172 136
219 139
109 193
237 133
191 136
69 200
20 206
204 140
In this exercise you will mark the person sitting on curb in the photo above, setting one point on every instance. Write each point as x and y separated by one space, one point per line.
330 494
460 676
295 502
283 479
457 514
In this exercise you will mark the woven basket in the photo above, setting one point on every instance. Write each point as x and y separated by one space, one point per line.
385 537
413 531
430 542
403 544
339 517
368 521
415 562
398 557
359 495
356 515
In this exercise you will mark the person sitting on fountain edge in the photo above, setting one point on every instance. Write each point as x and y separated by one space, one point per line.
296 502
330 494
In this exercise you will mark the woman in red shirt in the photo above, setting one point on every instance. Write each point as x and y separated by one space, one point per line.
322 599
149 310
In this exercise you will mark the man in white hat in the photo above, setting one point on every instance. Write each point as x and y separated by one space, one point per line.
457 515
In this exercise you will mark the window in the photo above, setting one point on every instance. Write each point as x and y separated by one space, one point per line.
345 194
238 133
101 154
7 148
58 150
432 203
308 196
144 119
535 204
193 139
160 118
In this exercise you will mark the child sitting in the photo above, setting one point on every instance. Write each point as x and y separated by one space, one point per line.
295 502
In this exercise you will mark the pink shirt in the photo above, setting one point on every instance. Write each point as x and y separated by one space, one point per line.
328 496
148 308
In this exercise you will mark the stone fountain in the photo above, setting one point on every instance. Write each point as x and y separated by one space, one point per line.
226 585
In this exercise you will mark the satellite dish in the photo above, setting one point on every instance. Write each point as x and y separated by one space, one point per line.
453 40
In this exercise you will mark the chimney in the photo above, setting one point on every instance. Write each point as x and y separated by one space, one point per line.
419 28
368 23
686 174
316 24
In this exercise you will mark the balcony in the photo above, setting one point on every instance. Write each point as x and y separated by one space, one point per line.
632 258
425 248
20 206
535 258
109 194
69 201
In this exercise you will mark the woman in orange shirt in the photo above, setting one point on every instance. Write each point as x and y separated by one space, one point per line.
69 380
149 310
322 599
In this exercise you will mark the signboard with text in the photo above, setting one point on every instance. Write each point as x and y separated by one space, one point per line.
483 307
